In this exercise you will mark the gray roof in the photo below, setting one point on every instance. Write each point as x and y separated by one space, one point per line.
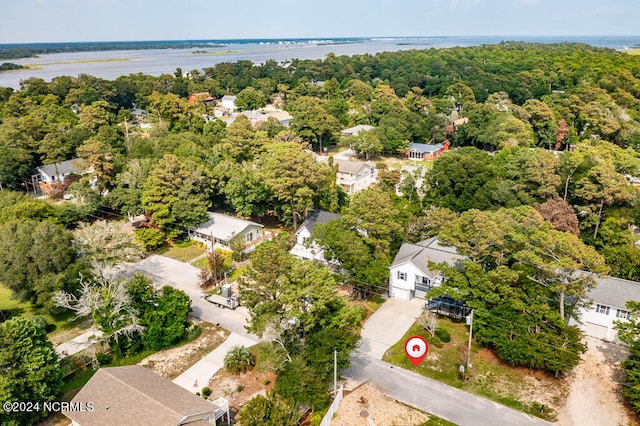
420 254
356 129
64 168
424 148
229 98
224 227
614 292
318 216
134 395
352 167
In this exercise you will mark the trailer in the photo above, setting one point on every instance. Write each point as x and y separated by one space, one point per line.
231 302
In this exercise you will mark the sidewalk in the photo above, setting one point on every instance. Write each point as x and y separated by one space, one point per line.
77 344
199 374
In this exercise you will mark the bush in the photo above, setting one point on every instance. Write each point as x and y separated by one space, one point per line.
239 359
183 244
103 358
206 391
151 238
443 335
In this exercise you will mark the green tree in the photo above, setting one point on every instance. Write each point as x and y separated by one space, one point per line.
30 370
365 143
37 258
629 333
239 359
176 195
293 178
269 410
312 122
249 99
165 318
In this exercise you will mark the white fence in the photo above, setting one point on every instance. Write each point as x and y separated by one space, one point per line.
334 407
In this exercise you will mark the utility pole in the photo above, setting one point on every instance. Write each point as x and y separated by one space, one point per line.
213 256
335 373
470 320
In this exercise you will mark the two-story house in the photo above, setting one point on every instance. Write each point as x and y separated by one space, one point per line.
609 299
354 176
410 275
306 248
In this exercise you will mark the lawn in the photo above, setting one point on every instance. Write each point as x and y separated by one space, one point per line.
182 252
518 388
634 51
60 327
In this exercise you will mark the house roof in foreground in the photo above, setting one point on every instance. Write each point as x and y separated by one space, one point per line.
318 216
224 227
614 292
134 395
420 254
356 129
64 168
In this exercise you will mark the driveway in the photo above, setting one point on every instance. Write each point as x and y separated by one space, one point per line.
199 374
388 325
166 271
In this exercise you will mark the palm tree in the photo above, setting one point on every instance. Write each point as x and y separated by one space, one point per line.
239 359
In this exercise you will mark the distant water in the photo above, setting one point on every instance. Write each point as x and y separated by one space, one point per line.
113 64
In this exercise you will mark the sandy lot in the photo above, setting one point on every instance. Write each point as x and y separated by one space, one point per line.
595 397
367 404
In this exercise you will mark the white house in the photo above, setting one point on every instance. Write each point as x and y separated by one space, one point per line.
220 229
228 103
354 176
306 249
410 275
51 173
608 303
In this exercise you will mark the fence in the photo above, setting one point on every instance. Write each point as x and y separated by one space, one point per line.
326 420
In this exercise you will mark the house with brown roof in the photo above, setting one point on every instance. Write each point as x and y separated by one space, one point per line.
134 395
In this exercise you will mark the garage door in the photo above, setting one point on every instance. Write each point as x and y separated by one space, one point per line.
400 293
595 330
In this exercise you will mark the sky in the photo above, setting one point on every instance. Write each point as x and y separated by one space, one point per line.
24 21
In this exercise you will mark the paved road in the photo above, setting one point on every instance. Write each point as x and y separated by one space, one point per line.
444 401
166 271
79 343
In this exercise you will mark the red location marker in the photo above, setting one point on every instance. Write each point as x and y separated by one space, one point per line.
416 349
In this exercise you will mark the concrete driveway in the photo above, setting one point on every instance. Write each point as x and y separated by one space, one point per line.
388 325
183 276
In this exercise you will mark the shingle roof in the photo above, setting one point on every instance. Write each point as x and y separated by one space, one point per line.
64 168
318 216
229 98
423 147
224 227
420 254
134 395
352 167
356 129
614 292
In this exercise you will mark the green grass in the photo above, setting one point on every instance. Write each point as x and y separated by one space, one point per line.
56 323
488 378
635 51
437 421
182 253
236 273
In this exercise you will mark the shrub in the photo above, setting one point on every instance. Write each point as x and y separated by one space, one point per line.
206 391
239 359
443 335
151 238
239 388
266 382
103 358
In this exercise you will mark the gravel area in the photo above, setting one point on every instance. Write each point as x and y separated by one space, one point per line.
367 406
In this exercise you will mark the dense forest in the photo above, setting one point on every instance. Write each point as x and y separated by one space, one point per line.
543 137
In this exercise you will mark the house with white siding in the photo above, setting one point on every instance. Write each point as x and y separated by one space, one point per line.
306 248
608 299
410 274
220 229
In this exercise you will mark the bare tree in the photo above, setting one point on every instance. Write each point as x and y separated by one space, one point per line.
429 320
106 300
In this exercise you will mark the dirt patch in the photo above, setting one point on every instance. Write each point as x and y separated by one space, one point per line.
366 404
171 363
240 388
595 394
